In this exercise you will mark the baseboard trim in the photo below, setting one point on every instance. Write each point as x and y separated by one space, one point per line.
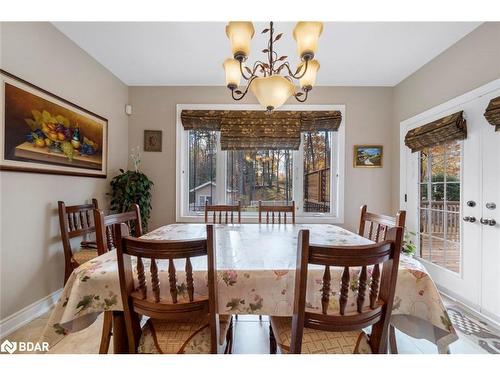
27 314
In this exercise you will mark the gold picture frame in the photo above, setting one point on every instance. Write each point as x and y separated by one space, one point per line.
368 156
41 132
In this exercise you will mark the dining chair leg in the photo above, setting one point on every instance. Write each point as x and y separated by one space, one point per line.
272 341
392 340
106 332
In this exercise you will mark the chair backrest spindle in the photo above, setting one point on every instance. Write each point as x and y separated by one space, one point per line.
277 214
222 214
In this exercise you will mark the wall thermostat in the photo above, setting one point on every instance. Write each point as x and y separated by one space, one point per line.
128 109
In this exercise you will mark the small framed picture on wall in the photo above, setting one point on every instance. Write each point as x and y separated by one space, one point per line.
368 156
152 140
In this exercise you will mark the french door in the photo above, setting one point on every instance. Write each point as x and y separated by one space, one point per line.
451 193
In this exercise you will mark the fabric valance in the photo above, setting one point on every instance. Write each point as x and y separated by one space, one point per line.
492 113
446 129
242 130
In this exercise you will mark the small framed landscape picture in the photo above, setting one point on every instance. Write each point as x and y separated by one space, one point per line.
152 140
368 156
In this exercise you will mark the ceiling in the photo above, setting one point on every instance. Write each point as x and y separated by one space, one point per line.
191 53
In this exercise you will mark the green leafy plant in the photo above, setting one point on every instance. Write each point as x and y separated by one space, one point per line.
409 247
131 187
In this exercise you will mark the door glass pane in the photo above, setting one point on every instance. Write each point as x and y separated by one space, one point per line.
453 197
440 205
438 255
424 221
437 223
317 152
424 196
437 196
437 168
453 168
259 175
453 226
425 251
424 170
202 168
453 256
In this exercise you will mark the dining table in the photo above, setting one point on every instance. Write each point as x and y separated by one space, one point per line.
255 266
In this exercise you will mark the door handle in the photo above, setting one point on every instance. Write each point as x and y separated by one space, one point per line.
490 222
470 219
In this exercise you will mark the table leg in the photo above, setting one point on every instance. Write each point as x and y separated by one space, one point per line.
120 345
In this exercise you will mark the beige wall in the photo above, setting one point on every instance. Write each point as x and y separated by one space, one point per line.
368 120
470 63
31 256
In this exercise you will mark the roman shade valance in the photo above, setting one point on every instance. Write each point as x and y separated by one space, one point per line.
449 128
492 113
242 130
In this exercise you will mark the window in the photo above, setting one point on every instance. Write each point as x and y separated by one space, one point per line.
262 175
310 176
317 155
202 169
439 205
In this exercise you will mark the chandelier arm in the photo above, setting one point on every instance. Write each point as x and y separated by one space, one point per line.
287 66
298 97
260 64
242 73
244 92
270 48
256 65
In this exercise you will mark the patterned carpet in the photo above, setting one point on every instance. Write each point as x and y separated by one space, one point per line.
474 329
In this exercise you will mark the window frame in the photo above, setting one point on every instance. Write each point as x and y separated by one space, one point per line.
337 168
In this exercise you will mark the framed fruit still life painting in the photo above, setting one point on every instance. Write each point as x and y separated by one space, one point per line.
44 133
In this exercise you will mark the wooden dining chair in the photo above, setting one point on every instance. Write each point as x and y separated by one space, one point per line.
374 227
222 214
178 322
341 331
76 221
277 214
106 241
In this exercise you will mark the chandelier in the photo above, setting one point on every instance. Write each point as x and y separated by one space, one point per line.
272 81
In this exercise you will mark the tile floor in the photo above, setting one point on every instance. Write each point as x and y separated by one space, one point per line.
251 336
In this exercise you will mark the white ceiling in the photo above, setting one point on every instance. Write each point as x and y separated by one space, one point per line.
191 53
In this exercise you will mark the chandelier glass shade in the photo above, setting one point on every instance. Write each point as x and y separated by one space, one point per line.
272 80
272 91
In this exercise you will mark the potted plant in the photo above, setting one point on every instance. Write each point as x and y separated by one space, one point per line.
409 247
131 187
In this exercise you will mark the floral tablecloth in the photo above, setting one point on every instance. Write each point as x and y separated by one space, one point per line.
255 264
